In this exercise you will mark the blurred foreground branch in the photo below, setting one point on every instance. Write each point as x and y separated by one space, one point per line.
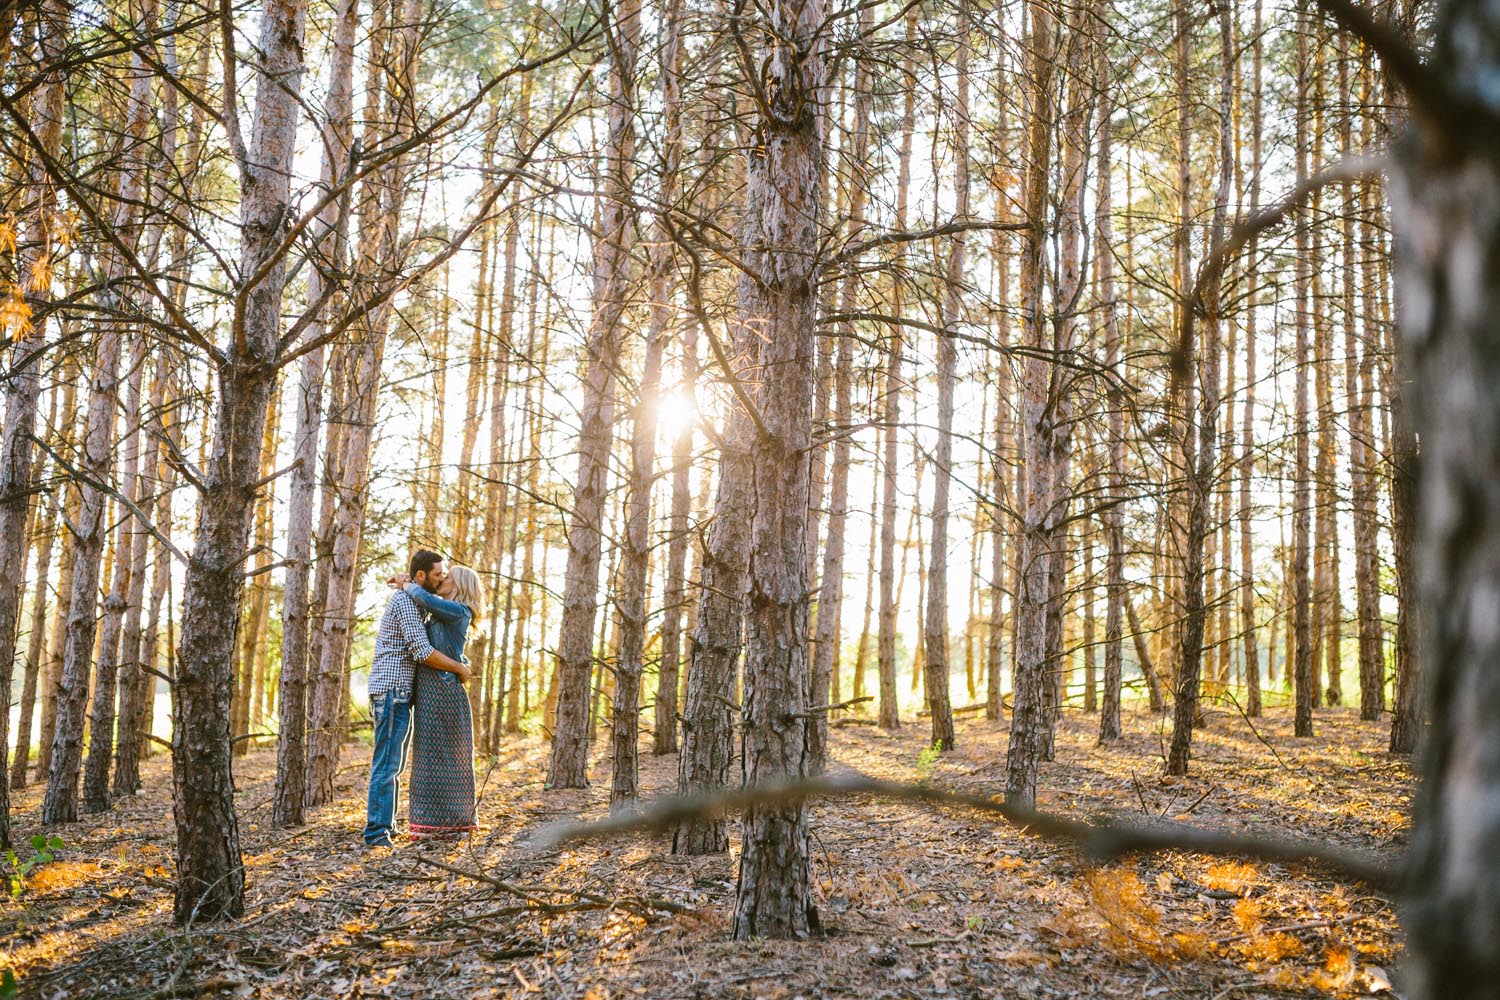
1102 841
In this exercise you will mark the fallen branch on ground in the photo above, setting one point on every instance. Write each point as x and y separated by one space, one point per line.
1102 841
587 900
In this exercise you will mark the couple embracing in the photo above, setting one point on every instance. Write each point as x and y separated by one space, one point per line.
417 698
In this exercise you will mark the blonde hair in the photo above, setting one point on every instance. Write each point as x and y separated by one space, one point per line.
467 589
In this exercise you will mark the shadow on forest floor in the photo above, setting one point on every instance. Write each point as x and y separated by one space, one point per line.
916 902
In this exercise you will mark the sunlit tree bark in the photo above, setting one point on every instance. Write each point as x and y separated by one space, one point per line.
336 139
782 225
612 277
24 384
935 614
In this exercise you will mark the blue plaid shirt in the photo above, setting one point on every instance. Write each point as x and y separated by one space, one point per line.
400 645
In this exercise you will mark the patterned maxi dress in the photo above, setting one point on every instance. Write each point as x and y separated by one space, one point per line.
442 744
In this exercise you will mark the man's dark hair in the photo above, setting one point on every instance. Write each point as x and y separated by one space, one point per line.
423 560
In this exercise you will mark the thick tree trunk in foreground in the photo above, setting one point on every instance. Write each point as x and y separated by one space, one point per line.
210 876
783 214
1446 216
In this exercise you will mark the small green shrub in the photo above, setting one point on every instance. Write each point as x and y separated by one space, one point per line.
43 850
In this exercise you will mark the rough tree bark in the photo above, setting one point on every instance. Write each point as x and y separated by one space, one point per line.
1200 442
1247 416
612 277
707 719
1361 441
625 716
60 804
24 386
289 804
1040 532
783 217
1445 213
108 660
1304 669
210 876
1114 518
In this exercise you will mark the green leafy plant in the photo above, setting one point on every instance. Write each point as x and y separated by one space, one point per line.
43 850
927 760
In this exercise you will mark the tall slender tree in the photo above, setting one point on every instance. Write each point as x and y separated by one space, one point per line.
612 278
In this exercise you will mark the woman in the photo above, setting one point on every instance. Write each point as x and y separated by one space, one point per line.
442 745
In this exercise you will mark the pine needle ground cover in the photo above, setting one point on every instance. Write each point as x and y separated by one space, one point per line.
914 902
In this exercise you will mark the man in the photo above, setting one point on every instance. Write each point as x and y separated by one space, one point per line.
400 645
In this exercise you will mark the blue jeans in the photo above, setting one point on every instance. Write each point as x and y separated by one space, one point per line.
392 717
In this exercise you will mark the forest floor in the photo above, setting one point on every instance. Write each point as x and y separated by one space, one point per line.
915 901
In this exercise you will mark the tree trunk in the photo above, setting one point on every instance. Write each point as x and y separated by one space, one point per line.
210 876
1200 442
1357 376
1445 208
25 380
1406 722
1041 532
61 802
707 719
994 705
890 605
612 277
36 651
1304 669
1114 519
1247 417
135 725
289 803
829 634
108 658
51 679
393 59
935 617
625 717
1090 667
133 676
783 218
